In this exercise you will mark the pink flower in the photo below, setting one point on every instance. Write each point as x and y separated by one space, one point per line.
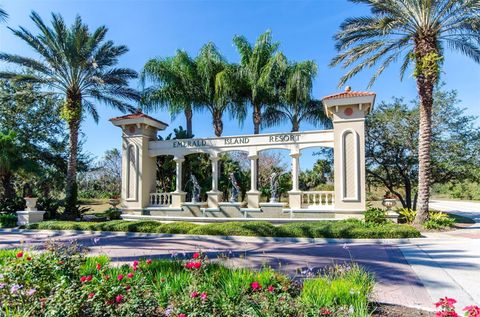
196 255
445 302
256 286
472 311
325 312
197 265
19 254
130 275
149 261
194 294
88 278
119 298
447 314
83 279
120 277
135 263
182 315
270 289
99 266
189 265
203 296
91 295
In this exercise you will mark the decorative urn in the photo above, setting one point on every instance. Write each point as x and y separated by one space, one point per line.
114 202
31 203
389 201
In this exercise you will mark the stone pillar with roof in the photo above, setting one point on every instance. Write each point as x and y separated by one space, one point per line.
138 167
347 111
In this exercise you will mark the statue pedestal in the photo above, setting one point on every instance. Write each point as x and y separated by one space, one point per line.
272 210
253 198
295 199
194 209
177 199
26 217
214 198
231 210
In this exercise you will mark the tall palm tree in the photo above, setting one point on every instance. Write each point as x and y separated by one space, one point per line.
257 62
176 85
217 82
79 66
417 31
295 100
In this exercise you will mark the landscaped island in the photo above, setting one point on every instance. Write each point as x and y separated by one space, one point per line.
351 228
62 282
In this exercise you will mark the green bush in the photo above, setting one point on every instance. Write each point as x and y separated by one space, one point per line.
375 215
113 213
8 220
407 215
438 220
350 228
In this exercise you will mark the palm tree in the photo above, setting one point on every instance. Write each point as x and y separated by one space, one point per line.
417 31
79 66
3 15
217 82
256 66
176 85
295 102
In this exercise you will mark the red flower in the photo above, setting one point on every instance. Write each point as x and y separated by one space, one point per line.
120 277
445 302
99 266
256 286
127 288
196 255
135 263
270 289
88 278
19 254
29 258
119 298
149 261
83 279
203 296
325 312
130 275
473 311
91 295
197 265
447 314
194 294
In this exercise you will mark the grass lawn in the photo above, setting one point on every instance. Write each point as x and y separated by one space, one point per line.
321 229
63 282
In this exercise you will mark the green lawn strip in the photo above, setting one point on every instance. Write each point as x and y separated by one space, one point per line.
320 229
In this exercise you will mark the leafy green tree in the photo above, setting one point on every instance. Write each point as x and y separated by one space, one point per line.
176 85
295 101
321 174
392 142
258 64
416 31
79 66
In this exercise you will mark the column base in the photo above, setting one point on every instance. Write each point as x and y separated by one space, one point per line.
253 198
214 197
295 199
26 217
178 198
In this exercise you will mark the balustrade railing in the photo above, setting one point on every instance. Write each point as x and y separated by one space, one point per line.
318 199
160 199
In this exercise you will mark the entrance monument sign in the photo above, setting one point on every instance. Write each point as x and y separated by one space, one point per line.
347 110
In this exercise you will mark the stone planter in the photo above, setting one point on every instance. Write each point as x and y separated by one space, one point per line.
26 217
114 202
31 203
389 203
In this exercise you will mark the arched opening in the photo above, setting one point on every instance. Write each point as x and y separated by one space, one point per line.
274 161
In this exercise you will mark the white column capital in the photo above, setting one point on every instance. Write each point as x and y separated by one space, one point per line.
295 155
179 159
253 156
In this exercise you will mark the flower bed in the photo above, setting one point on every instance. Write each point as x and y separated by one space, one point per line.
351 228
62 282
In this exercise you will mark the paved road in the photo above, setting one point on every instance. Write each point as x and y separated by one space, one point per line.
411 272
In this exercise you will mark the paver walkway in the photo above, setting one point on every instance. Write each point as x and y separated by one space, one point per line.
412 272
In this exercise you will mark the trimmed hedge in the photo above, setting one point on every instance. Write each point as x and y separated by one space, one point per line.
350 228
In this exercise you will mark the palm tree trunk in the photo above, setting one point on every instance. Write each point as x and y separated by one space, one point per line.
425 83
71 195
295 124
217 123
257 118
188 117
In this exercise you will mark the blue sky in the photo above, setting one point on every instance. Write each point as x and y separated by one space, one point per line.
157 28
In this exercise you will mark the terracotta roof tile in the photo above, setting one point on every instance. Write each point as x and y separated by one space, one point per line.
349 94
137 115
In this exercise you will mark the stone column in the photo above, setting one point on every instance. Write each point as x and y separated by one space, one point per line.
253 195
295 195
178 196
214 196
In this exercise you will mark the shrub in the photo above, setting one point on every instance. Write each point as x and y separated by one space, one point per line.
375 215
407 215
8 220
438 220
113 213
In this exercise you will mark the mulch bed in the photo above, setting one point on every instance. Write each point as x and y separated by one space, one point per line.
399 311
